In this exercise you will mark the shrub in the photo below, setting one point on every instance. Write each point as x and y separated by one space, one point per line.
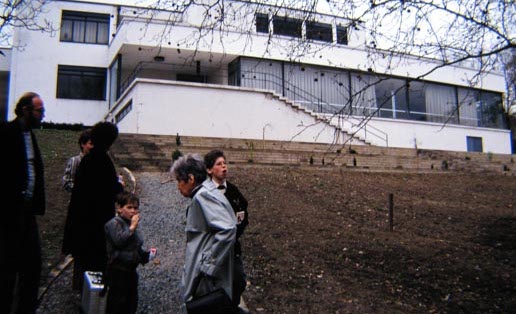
178 140
176 154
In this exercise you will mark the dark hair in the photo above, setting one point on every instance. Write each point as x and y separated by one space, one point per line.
84 138
24 101
103 134
211 157
125 198
191 164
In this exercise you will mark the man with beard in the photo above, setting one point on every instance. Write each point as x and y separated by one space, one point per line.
23 197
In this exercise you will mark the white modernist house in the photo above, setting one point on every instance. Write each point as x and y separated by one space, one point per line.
287 77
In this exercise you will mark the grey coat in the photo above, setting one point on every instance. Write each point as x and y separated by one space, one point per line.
210 237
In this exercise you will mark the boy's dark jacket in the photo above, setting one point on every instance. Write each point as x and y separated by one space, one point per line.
239 203
124 248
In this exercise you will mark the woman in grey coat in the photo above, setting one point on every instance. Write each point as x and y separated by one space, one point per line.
210 231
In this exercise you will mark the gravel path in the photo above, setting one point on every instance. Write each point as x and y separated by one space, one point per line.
162 225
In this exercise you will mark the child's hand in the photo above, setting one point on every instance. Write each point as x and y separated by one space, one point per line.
152 253
134 222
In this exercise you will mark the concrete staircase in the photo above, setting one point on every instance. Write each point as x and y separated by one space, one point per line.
140 152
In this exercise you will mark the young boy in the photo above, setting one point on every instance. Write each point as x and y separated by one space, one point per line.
216 165
125 253
85 145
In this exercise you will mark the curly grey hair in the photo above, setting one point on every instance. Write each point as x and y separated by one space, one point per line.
190 164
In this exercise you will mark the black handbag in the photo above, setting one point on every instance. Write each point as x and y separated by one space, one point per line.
214 302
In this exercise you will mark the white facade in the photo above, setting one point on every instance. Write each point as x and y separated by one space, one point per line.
160 105
218 112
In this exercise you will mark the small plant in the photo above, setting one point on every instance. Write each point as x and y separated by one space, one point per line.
178 140
338 151
467 158
444 165
489 156
176 154
354 162
352 151
322 161
505 168
250 147
311 160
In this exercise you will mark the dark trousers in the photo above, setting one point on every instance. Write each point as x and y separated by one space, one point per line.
239 279
21 268
78 275
123 291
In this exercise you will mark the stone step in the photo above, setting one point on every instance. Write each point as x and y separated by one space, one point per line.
154 153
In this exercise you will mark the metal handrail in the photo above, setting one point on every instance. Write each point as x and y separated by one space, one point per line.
323 107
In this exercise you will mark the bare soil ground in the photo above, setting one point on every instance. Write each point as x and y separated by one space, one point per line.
319 239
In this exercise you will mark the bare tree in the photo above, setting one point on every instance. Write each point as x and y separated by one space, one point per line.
447 31
442 33
19 13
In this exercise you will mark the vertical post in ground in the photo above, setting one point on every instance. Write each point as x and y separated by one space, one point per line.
391 211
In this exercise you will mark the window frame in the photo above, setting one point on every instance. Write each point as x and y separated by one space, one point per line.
262 23
342 35
472 143
314 31
286 26
65 79
128 107
87 18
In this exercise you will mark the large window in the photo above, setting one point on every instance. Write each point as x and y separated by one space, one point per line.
319 31
81 82
84 27
287 26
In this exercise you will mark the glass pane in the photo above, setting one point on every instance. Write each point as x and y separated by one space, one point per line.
432 102
91 33
79 28
287 27
391 98
417 101
66 30
363 94
81 83
113 85
492 110
474 144
63 86
342 35
469 105
262 23
103 33
319 31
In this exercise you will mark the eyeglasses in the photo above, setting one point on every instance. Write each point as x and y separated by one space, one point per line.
40 110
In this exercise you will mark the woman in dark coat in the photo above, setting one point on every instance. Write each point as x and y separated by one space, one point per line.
93 203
